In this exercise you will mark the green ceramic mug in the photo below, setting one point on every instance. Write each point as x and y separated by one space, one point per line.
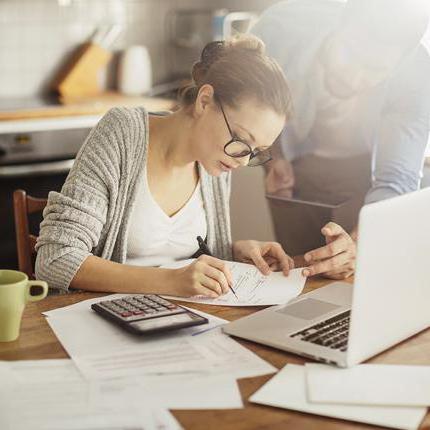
15 291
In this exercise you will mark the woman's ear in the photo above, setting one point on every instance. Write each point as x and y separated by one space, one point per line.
204 99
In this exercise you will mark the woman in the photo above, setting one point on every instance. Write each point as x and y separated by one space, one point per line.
143 187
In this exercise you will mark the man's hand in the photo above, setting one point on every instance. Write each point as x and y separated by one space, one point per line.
280 178
266 256
336 260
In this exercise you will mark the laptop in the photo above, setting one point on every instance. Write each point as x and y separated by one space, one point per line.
298 238
345 324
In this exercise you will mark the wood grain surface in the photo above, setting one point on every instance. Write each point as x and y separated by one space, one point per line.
37 341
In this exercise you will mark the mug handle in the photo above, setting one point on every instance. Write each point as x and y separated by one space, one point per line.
40 296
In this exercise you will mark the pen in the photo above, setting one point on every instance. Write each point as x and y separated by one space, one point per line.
206 330
205 250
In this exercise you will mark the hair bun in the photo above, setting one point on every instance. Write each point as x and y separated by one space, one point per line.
210 54
239 69
198 72
213 51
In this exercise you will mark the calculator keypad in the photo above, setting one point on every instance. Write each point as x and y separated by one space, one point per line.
140 307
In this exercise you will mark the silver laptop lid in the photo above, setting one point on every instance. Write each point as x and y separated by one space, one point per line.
391 294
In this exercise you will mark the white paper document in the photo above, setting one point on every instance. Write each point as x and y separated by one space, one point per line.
102 350
192 391
52 395
232 358
252 288
369 384
287 390
175 357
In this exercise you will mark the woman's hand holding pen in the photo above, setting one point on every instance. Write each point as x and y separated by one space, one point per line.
266 256
206 276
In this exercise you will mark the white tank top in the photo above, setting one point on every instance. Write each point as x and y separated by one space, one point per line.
154 238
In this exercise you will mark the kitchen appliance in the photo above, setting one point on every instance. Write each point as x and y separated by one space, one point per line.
38 162
194 28
134 71
238 22
189 30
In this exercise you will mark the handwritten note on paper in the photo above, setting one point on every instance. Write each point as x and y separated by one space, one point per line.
252 288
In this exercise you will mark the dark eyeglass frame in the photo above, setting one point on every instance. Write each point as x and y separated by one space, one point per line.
253 154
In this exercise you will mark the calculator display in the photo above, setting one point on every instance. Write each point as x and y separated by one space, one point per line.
161 322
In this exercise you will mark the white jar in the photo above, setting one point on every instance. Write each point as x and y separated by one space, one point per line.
134 71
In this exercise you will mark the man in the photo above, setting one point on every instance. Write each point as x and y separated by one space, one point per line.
360 83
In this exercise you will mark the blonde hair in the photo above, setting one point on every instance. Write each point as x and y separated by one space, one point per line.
239 68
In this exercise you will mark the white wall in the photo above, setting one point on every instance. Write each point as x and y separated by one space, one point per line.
37 35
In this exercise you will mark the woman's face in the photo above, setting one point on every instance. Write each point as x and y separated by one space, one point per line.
251 123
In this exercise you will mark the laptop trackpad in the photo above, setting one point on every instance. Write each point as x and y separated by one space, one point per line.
308 309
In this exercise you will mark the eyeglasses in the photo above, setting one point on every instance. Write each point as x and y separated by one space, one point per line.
237 148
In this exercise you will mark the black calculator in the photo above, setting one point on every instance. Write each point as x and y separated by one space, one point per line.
147 314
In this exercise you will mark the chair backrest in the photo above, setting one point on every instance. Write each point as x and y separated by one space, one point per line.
23 206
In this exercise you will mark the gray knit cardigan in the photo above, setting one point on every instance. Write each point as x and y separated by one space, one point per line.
91 214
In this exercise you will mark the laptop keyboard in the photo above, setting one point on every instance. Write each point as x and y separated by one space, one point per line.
332 333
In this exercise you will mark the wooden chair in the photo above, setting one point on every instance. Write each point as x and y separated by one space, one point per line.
23 206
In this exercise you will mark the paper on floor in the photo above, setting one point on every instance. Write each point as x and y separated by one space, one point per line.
287 390
52 395
369 384
252 288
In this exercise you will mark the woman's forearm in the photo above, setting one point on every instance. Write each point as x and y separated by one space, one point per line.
99 275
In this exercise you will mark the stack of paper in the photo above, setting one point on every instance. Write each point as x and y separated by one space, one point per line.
53 395
252 288
169 371
103 350
288 390
369 384
117 380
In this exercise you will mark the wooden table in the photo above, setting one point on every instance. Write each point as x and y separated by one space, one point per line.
37 341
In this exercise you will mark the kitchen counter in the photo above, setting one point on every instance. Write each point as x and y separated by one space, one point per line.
25 125
89 107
